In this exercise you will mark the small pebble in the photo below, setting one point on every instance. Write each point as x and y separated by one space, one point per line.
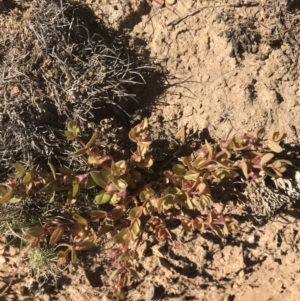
151 293
188 111
170 2
46 297
251 239
158 3
297 176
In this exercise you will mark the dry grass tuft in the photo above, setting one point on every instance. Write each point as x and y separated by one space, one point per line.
56 64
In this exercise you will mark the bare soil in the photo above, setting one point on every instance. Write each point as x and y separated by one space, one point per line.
232 68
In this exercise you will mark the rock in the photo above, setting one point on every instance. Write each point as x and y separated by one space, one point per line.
188 111
158 3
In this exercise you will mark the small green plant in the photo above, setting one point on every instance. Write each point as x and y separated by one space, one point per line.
134 199
43 263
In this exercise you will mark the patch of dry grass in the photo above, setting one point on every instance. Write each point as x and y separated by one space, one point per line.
58 64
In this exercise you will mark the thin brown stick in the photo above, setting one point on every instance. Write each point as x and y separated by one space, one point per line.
189 14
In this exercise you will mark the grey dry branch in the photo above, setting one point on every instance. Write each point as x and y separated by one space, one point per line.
56 66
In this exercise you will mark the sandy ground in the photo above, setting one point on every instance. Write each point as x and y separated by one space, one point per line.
216 88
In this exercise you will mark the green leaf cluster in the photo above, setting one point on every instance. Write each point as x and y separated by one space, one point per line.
132 199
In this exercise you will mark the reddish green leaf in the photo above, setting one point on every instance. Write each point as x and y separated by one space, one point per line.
3 190
122 256
90 183
78 153
28 178
198 223
62 257
20 170
98 160
102 198
56 235
63 254
242 148
92 160
269 172
52 168
75 186
120 294
124 278
71 126
227 152
178 169
34 241
66 170
115 273
278 136
210 149
117 185
217 230
100 177
205 202
133 135
70 135
76 228
92 141
280 170
191 176
146 163
266 158
136 212
274 146
105 229
84 245
121 167
201 188
122 236
279 163
200 161
81 220
189 203
8 196
144 195
244 167
47 187
36 231
114 199
17 198
134 274
70 199
186 226
116 213
98 214
73 255
52 195
135 227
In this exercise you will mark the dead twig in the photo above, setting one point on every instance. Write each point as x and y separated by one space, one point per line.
192 13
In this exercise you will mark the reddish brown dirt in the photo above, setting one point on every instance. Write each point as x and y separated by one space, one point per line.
213 92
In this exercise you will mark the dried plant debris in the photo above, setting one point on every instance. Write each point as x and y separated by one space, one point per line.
286 33
268 195
56 64
243 38
293 6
